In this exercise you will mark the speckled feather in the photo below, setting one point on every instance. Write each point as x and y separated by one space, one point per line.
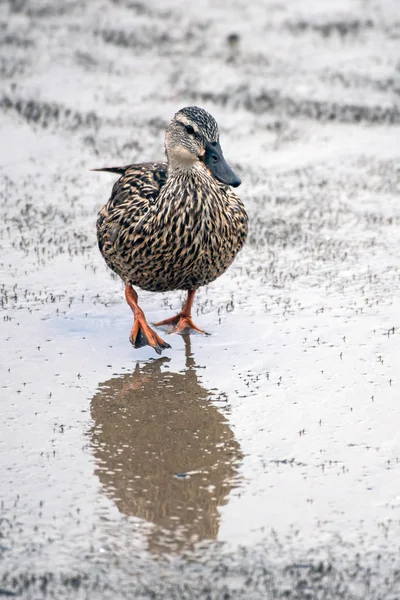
163 232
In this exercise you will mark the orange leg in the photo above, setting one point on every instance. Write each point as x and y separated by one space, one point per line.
142 334
182 322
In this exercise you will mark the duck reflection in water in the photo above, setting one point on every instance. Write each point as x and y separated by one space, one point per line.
164 453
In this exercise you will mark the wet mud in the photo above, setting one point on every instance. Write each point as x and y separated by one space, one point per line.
263 460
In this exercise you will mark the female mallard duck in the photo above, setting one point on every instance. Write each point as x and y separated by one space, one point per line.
175 225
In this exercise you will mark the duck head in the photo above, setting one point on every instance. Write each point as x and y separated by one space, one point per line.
193 138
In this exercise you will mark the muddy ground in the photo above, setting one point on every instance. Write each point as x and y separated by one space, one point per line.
261 462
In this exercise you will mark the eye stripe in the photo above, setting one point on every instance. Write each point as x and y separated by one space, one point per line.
186 126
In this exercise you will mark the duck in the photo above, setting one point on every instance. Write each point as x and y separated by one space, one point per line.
174 225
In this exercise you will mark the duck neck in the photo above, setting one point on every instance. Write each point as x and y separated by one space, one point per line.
187 170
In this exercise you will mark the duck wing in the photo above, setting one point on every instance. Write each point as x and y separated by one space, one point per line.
132 197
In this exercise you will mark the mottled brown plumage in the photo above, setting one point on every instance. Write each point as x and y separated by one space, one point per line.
174 225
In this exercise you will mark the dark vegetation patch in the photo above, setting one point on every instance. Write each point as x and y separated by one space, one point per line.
42 8
142 8
247 576
160 40
46 114
11 67
144 39
15 41
355 80
341 28
272 101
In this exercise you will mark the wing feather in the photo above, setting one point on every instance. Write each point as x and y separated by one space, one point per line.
133 194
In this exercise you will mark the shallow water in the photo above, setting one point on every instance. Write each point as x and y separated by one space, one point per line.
259 462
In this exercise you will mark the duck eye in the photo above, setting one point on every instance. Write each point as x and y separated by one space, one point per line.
189 129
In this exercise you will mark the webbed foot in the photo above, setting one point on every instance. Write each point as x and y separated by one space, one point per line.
180 323
143 335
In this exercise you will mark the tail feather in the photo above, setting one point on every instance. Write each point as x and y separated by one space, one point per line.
117 170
